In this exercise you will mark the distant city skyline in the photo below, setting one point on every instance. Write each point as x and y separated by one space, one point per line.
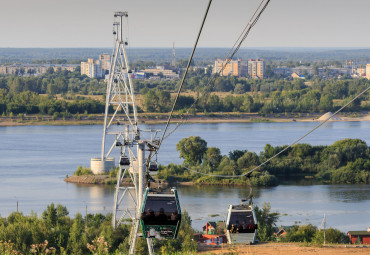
88 23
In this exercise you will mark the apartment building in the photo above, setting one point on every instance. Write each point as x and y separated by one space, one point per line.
160 69
28 69
256 68
105 62
92 68
234 67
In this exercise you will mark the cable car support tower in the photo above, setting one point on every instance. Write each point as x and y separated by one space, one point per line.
121 122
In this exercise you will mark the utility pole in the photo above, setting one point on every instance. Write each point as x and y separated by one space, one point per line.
323 225
324 229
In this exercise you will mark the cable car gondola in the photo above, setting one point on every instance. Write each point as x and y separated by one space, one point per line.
124 162
161 212
153 167
241 224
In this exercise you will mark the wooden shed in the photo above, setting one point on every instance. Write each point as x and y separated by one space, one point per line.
359 237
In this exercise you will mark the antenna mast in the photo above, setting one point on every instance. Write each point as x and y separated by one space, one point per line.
173 63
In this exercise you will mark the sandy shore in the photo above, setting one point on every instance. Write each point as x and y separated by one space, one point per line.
285 249
201 118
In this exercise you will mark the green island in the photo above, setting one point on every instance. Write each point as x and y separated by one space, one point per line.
345 161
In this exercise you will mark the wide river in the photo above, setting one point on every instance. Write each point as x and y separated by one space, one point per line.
34 160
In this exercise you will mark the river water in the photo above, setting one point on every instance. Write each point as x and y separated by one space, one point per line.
34 160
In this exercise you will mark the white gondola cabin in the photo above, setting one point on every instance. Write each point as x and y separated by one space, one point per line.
241 224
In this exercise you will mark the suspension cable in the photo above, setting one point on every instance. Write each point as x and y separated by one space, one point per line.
234 49
186 72
248 173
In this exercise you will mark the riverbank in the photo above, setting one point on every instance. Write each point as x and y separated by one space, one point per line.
91 179
160 118
103 179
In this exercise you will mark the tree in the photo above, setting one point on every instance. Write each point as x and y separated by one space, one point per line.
227 167
50 215
331 236
266 221
247 160
213 157
50 70
304 233
77 238
192 149
236 154
239 89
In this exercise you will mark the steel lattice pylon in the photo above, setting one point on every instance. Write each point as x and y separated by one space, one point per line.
123 124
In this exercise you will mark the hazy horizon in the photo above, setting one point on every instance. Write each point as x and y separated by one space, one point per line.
157 24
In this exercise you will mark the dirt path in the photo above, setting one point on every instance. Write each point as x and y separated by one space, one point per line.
285 249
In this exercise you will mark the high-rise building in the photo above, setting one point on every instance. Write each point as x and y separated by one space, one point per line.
368 71
234 67
105 62
91 68
256 68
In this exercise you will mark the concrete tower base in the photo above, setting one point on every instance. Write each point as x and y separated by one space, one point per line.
99 166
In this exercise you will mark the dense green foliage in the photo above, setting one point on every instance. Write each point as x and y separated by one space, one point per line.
56 232
345 161
273 95
266 222
23 94
310 234
263 96
51 83
83 170
31 103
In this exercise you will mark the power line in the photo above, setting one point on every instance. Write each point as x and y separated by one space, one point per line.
247 174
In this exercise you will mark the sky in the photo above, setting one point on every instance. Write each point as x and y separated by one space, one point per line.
159 23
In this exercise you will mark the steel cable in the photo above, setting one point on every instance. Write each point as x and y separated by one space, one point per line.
248 173
252 22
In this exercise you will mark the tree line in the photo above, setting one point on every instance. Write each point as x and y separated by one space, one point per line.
32 103
54 232
265 97
345 161
52 83
258 96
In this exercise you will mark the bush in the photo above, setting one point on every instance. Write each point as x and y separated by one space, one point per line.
113 172
83 171
265 179
331 236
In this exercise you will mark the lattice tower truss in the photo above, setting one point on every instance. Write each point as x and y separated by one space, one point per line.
121 122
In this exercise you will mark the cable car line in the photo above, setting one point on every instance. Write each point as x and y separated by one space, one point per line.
243 35
248 174
186 72
160 211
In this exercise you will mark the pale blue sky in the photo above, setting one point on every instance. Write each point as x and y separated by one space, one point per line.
158 23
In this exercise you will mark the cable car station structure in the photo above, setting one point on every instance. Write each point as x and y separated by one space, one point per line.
158 211
121 123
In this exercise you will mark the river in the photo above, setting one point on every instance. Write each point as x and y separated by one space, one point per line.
34 160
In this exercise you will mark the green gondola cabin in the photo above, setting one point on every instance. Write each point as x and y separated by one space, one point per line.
161 213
